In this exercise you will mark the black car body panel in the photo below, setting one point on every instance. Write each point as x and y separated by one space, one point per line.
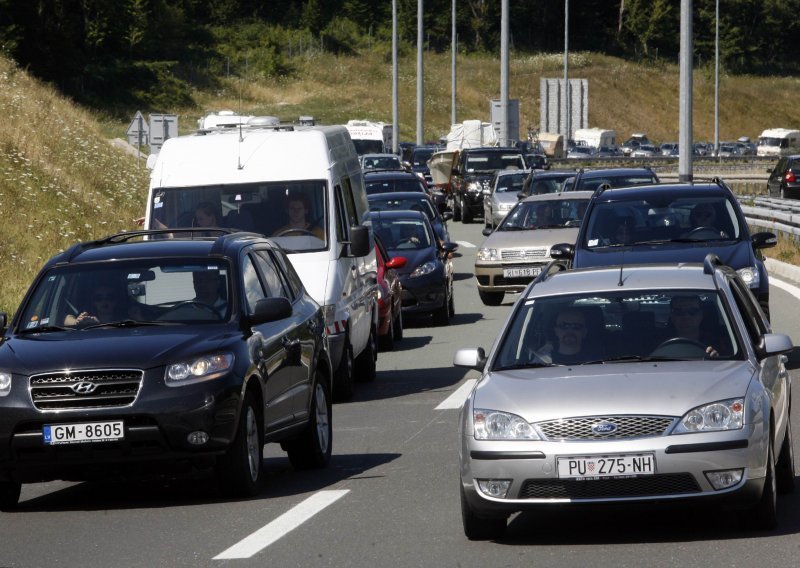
471 176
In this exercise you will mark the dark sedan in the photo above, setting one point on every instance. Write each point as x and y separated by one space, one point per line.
130 354
784 178
413 201
427 276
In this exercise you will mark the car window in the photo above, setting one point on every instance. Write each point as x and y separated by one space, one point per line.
403 234
273 281
423 205
293 279
510 183
390 185
753 321
253 288
553 213
625 325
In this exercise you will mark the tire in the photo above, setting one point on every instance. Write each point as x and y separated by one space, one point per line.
398 326
312 450
386 341
456 209
466 214
491 298
784 469
365 364
451 305
764 515
441 316
480 528
9 495
343 384
240 470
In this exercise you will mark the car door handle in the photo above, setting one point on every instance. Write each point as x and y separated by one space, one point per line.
289 343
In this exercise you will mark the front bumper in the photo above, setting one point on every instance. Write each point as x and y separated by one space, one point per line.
423 294
492 278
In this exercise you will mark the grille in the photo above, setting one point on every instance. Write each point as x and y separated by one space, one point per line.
517 281
627 427
523 254
110 389
645 486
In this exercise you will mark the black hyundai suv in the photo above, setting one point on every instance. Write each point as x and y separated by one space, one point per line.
670 223
472 175
140 352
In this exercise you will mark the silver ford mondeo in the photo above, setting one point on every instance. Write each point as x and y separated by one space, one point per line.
628 384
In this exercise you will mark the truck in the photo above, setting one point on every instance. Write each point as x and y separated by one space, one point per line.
595 137
370 137
778 142
553 145
258 177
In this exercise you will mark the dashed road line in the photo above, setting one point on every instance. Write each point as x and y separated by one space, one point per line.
793 290
284 524
456 400
465 244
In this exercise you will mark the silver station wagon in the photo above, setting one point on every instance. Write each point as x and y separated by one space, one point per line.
628 384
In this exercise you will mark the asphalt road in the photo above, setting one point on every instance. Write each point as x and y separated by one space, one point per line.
390 496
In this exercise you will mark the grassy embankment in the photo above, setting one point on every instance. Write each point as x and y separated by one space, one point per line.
62 182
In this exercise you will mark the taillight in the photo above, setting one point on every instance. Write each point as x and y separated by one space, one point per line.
789 177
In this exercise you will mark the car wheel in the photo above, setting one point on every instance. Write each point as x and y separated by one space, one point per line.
343 377
456 209
313 448
451 305
9 495
466 213
491 298
480 528
441 316
386 341
366 360
240 469
398 326
784 470
764 515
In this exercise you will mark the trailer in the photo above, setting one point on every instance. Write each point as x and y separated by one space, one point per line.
370 137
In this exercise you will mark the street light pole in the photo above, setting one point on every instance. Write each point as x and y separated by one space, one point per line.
504 133
453 45
395 111
420 82
685 126
716 85
567 134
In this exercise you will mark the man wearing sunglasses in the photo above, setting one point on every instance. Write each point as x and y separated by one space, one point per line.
570 332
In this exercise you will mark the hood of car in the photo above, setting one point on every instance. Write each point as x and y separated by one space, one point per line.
414 257
134 348
734 254
663 388
544 238
506 197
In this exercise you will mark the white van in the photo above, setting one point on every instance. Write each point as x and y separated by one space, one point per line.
264 178
370 137
595 137
778 142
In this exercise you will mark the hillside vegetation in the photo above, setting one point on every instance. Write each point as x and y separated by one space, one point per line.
61 181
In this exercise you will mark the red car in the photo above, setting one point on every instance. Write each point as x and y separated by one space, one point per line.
390 316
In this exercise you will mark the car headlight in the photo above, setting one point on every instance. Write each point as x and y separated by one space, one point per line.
722 415
487 254
423 269
750 276
496 425
5 384
202 368
474 186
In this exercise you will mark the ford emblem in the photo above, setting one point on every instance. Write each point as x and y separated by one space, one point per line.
604 428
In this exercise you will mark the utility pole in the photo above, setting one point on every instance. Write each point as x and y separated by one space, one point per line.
395 111
420 84
685 126
453 46
503 134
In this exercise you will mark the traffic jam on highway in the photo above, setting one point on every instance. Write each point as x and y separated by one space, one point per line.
635 361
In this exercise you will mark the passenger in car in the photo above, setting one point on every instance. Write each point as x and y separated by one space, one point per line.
104 305
703 215
688 320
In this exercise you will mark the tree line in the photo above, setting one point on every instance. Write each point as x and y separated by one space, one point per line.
120 54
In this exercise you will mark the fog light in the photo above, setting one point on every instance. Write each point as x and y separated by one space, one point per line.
197 438
724 479
494 487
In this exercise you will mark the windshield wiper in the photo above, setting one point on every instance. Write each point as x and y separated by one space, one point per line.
633 359
531 365
126 323
45 329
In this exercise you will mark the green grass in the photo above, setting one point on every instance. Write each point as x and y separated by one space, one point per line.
62 182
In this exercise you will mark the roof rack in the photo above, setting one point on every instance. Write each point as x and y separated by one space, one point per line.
711 262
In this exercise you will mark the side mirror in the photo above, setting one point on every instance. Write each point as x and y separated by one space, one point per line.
764 240
396 262
3 321
271 309
447 215
449 247
521 195
773 344
359 241
487 231
471 358
562 251
151 161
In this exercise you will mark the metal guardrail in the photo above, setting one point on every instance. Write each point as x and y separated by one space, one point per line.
778 215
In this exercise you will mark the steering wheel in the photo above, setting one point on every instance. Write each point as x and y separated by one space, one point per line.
679 347
698 230
196 304
290 231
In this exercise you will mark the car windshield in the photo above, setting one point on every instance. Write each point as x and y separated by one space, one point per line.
493 161
550 214
618 326
420 157
402 234
294 213
393 184
683 218
591 184
381 163
136 292
422 205
510 182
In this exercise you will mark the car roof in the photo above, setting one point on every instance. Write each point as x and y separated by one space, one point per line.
395 195
653 277
492 149
370 175
603 172
124 246
647 192
561 195
501 173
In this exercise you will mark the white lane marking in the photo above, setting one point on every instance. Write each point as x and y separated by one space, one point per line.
465 244
456 400
287 522
793 290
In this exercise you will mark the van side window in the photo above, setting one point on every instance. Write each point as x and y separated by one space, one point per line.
342 227
349 202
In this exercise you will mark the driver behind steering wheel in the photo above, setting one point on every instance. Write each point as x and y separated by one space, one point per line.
206 287
686 319
297 207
